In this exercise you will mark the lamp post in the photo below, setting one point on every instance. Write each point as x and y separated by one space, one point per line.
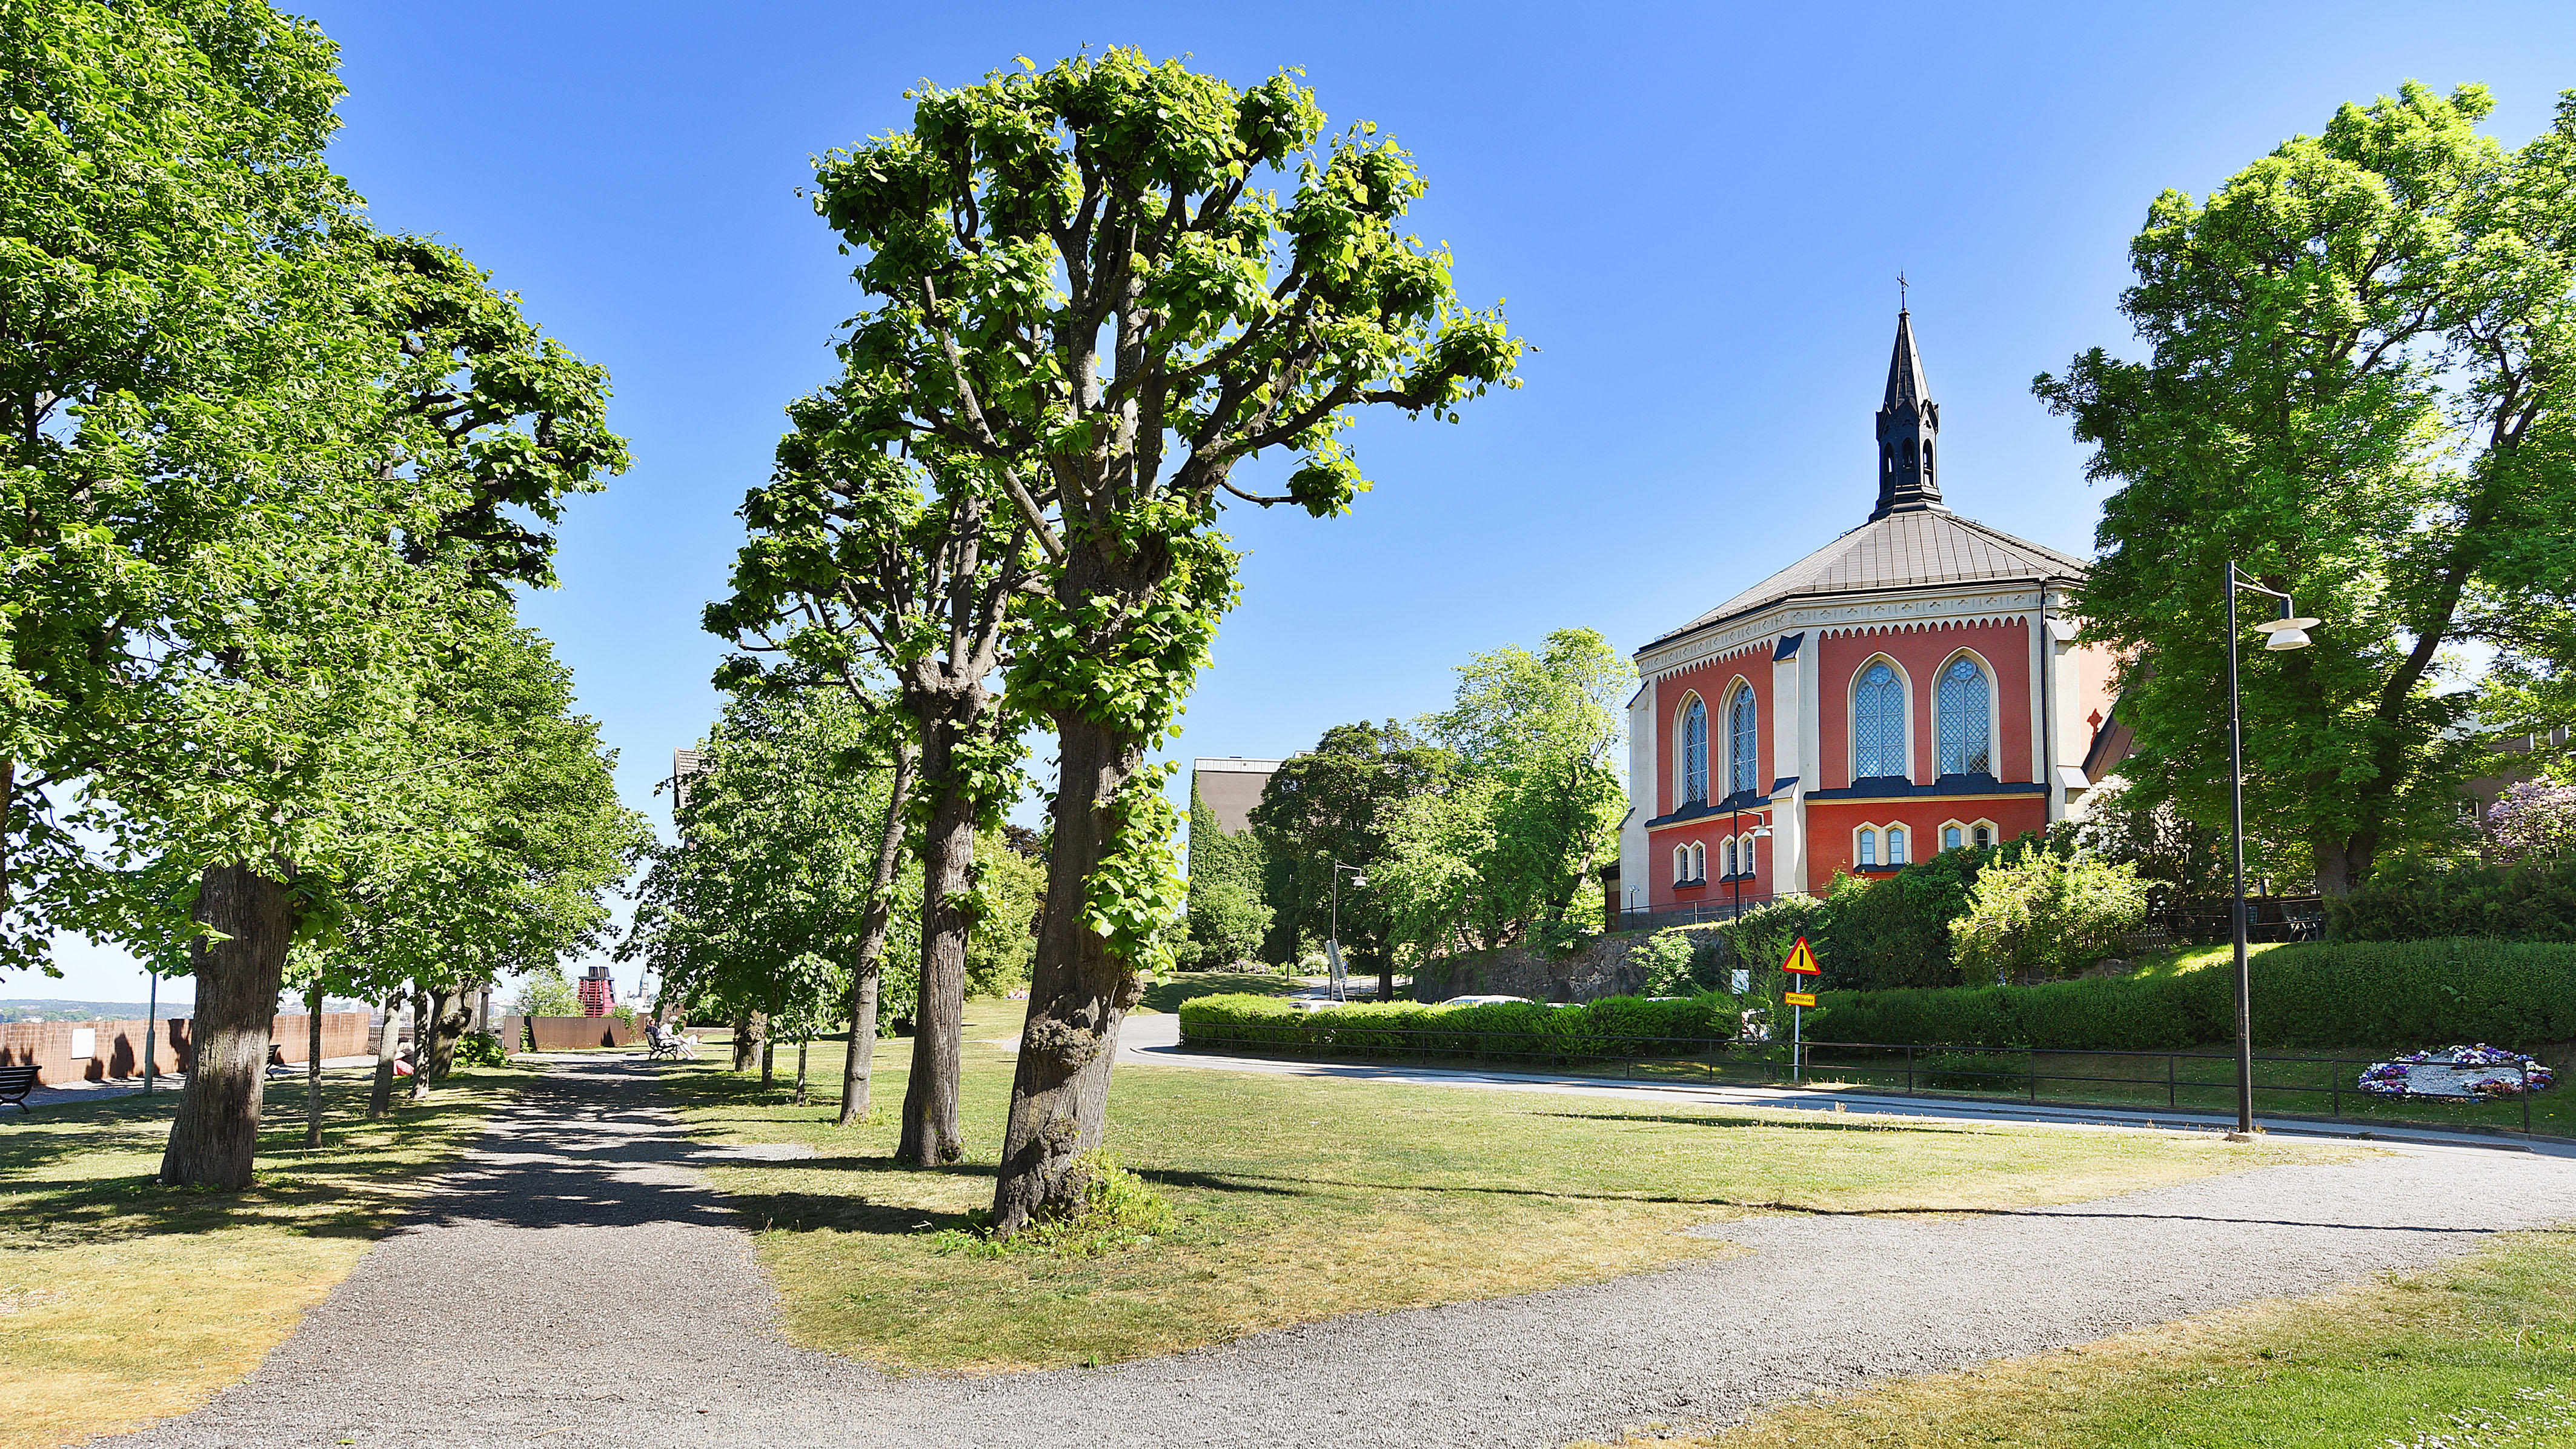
2282 633
1744 864
1333 939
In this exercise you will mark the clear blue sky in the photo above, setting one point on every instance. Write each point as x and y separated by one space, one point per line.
1696 212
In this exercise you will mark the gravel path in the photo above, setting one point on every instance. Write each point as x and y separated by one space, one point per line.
576 1282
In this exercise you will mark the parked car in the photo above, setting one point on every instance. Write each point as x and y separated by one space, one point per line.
1482 1000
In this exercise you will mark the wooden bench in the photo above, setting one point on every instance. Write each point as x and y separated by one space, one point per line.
16 1083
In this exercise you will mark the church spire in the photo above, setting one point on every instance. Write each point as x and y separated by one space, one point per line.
1907 423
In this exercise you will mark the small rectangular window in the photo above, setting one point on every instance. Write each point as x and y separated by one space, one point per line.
1869 847
1896 847
1985 837
1949 837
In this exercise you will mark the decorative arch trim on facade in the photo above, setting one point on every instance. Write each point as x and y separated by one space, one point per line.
1690 750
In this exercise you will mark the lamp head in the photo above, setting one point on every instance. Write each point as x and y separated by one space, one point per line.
2291 638
1358 879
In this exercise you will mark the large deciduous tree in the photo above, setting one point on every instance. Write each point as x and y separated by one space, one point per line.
1501 851
779 888
867 563
1331 807
2362 360
1083 277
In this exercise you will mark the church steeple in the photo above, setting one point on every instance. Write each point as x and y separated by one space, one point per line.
1907 423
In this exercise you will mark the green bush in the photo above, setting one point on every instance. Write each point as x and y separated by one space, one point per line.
1617 1026
2046 914
1989 1072
2328 994
1668 957
2413 899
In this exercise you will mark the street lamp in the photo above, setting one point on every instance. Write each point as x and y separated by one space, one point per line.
2288 631
1341 992
1744 867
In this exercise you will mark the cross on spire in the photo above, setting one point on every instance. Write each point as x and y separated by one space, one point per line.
1900 291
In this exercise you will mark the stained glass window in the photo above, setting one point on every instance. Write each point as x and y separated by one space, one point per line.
1695 755
1966 732
1878 724
1741 753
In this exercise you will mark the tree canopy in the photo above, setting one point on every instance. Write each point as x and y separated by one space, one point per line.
2361 363
1082 277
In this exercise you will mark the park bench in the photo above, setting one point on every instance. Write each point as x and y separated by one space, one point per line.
660 1043
16 1083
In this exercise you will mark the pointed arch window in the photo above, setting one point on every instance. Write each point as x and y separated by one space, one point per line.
1743 754
1695 754
1967 732
1878 723
1868 848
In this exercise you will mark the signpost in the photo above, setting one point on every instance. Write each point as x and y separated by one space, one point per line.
1801 962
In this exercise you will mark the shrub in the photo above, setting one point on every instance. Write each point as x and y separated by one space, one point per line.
1668 957
2046 914
2328 994
2412 899
1974 1071
1106 1208
2533 821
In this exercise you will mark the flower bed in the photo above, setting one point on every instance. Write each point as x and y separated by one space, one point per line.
2463 1073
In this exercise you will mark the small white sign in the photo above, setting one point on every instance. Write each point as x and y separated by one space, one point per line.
1743 980
84 1042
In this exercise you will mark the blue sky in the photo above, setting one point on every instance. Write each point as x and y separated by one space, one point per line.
1696 213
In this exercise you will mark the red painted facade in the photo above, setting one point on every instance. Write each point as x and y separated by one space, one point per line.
2004 650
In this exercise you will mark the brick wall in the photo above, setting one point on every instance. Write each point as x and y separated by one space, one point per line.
116 1047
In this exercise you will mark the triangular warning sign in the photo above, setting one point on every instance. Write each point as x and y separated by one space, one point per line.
1801 962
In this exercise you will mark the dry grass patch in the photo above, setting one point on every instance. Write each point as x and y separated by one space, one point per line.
2477 1355
1302 1199
122 1301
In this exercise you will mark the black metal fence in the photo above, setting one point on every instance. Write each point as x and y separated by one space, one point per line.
2176 1081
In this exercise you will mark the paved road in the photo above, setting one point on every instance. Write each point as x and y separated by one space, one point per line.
576 1282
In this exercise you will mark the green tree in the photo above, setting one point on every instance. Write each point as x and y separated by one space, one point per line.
1331 806
2362 350
864 562
778 885
1500 853
1081 277
1227 919
1010 882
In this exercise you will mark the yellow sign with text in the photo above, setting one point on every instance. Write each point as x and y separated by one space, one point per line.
1799 998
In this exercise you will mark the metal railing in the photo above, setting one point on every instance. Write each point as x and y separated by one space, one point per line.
1962 1073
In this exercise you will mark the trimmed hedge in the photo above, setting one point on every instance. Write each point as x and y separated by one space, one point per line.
1615 1026
2331 994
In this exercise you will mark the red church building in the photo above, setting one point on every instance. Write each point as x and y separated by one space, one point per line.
1915 685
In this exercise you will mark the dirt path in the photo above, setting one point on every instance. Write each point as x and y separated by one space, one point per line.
578 1283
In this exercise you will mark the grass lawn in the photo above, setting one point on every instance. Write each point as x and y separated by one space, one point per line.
2481 1353
122 1301
1303 1199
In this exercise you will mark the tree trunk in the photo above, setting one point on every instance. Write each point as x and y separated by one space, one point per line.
215 1136
800 1073
313 1064
421 1016
865 977
1080 992
745 1040
768 1058
930 1136
2343 863
380 1097
455 1013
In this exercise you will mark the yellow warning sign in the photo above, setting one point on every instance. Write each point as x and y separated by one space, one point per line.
1799 998
1801 962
